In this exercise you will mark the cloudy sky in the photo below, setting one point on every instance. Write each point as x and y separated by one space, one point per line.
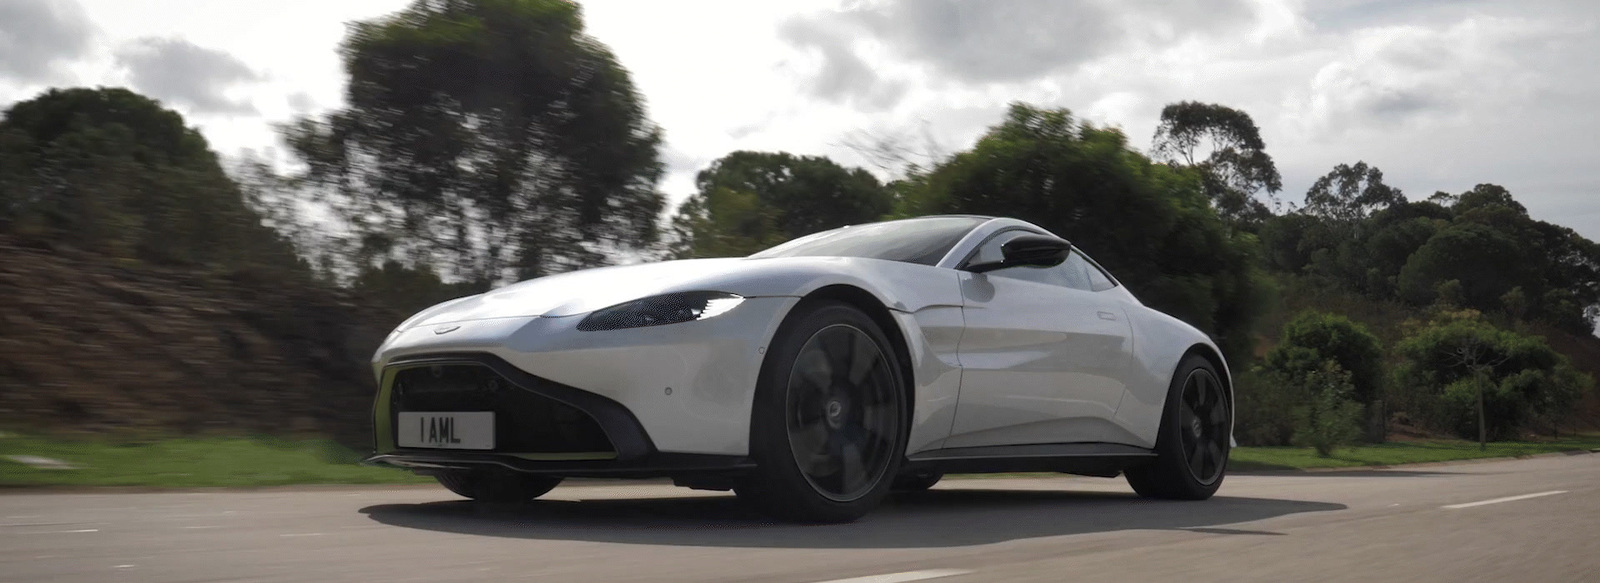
1440 94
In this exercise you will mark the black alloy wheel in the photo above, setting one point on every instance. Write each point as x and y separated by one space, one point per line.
1203 423
829 422
1194 440
842 414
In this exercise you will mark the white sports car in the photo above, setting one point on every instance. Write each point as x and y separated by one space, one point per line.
813 377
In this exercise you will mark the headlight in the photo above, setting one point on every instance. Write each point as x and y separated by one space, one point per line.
661 310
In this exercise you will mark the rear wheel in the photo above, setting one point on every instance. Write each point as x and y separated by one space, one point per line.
828 425
1193 444
497 487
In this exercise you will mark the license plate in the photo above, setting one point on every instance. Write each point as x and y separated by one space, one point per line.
452 430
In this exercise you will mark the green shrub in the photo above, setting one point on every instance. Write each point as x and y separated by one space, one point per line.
1523 378
1314 337
1330 418
1264 403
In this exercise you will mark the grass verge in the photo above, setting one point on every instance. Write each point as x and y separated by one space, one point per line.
1398 452
190 462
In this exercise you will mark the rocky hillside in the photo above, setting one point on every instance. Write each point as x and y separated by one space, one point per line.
90 345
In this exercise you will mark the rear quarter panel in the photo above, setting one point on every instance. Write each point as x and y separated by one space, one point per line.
1159 343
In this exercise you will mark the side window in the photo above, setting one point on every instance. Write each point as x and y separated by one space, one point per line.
1073 273
1098 280
989 251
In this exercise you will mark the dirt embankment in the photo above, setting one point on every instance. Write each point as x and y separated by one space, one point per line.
88 345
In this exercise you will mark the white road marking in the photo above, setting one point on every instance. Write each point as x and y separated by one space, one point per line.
903 577
1506 499
200 527
304 534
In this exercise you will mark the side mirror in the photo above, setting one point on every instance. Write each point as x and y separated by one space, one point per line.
1027 250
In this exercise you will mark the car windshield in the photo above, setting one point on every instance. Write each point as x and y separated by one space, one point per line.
924 241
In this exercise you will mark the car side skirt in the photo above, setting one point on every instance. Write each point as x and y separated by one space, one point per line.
1089 459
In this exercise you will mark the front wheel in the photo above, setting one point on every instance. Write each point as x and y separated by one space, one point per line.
501 487
916 481
828 425
1194 441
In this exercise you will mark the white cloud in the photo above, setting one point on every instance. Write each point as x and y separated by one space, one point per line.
39 38
1440 94
196 78
1414 77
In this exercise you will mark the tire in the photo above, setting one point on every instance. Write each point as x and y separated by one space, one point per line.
500 487
1175 475
830 392
916 481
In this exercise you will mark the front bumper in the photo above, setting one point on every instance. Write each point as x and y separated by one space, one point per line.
541 426
689 385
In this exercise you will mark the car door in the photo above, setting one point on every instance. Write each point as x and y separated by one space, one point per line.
1043 355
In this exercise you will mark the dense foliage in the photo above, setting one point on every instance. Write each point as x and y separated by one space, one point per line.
1314 338
114 172
1329 418
1447 363
1150 224
748 201
492 139
1479 250
1264 405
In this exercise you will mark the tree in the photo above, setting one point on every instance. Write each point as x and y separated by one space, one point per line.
1350 193
748 201
1463 366
1296 241
1150 224
1391 236
1328 419
1558 269
1237 166
1474 355
112 171
1312 338
1481 239
1486 196
491 136
897 153
1486 262
405 289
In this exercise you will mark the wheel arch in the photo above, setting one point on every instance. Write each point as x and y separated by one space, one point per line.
874 308
1213 356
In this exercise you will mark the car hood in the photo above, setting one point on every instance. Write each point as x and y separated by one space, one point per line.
581 292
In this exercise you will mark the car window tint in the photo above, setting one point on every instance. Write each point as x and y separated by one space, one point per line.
924 241
1098 279
1077 272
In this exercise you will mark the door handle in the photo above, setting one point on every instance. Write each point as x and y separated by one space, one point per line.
1104 315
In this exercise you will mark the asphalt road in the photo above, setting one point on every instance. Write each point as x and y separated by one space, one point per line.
1422 524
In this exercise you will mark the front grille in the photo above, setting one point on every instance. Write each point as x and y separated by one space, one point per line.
525 422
